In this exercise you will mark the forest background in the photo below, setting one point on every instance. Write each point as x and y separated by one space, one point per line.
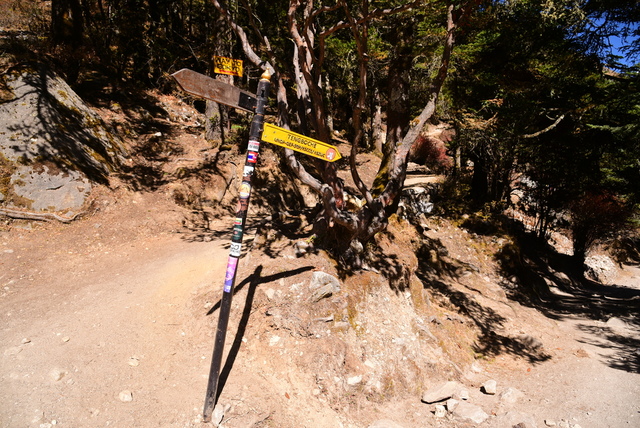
544 109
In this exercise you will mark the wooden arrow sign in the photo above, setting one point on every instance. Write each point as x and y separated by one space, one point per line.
215 90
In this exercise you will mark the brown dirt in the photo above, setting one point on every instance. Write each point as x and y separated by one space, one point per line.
126 299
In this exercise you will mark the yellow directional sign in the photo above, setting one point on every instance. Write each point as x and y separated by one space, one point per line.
224 65
300 143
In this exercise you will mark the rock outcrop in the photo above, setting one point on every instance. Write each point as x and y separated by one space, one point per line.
52 146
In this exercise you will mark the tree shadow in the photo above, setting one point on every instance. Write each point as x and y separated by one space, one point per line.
435 267
622 352
550 282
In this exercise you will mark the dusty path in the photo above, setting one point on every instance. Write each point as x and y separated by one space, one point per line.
82 321
74 339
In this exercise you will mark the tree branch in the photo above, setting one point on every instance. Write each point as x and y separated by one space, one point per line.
26 215
547 129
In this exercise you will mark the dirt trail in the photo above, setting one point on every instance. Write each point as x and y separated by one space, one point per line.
82 322
75 341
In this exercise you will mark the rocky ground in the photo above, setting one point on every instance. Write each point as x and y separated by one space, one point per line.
109 320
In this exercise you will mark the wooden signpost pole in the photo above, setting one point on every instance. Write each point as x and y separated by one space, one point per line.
236 244
224 93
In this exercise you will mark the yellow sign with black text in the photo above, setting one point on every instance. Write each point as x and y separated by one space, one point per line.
300 143
230 66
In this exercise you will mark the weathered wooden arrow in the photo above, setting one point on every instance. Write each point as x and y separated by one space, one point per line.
215 90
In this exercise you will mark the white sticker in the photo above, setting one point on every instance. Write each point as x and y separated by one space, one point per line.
254 146
235 250
248 170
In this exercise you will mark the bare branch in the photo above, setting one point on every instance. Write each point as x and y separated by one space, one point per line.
547 129
26 215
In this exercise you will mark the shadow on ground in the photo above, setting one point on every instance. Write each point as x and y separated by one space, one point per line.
550 282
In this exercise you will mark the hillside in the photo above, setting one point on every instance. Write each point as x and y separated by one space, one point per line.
109 320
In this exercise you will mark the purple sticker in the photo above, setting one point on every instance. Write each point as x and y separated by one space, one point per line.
232 264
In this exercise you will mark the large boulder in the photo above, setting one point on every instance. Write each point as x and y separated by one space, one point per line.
52 146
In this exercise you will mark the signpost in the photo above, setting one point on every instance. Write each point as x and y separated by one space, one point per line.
215 90
230 66
224 93
300 143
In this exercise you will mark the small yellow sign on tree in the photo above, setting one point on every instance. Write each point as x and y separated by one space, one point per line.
230 66
300 143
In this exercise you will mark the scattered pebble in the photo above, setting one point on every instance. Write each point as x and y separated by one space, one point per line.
452 403
66 339
489 387
274 340
440 412
125 396
354 380
57 374
471 412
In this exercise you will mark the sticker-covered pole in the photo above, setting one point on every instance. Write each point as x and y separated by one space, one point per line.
255 134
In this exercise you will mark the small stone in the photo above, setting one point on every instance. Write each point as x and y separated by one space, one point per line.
134 362
441 392
270 292
452 403
549 423
274 340
301 248
125 396
57 374
354 380
476 367
25 341
616 323
323 285
218 414
463 394
66 339
489 387
468 411
510 395
515 419
441 411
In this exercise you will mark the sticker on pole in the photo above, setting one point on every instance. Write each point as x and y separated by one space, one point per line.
230 66
300 143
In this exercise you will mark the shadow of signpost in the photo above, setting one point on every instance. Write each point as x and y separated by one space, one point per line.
254 280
